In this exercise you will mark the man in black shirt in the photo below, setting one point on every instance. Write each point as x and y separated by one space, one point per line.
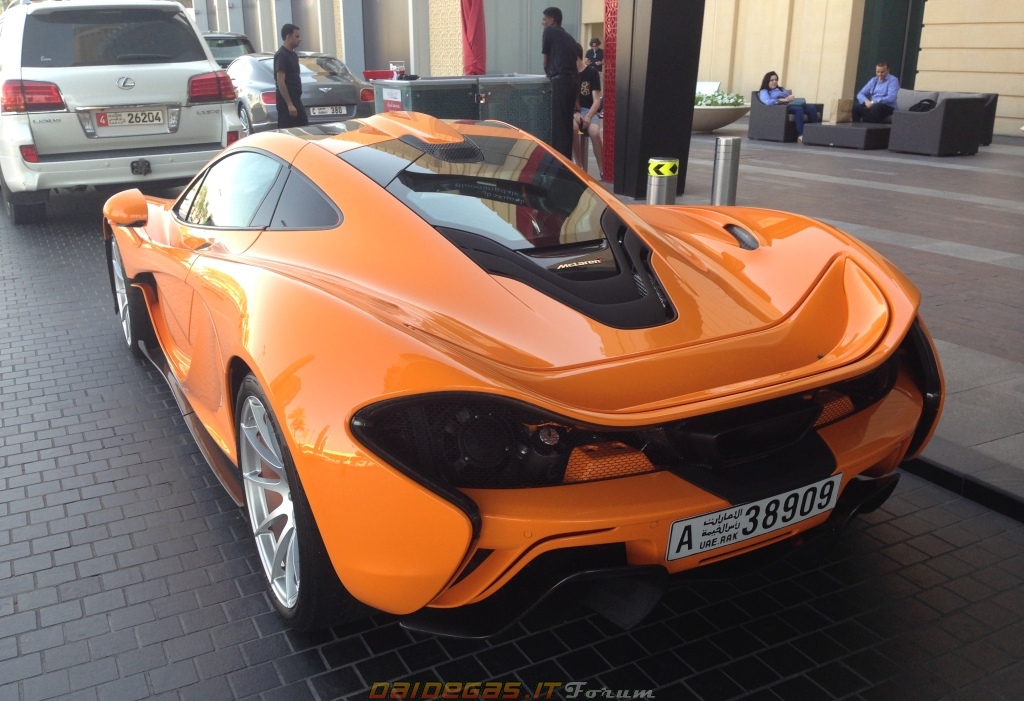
290 111
559 51
595 55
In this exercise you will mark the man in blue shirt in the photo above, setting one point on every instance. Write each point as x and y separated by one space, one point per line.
877 99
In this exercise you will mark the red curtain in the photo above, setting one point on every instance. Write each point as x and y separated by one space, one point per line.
474 38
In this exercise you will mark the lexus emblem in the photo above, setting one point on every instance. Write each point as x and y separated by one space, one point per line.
125 83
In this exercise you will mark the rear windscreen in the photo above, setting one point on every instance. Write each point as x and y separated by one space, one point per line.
104 37
518 194
226 49
317 65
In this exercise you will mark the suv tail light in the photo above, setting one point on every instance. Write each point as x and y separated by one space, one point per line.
211 87
30 96
29 153
268 98
366 94
232 137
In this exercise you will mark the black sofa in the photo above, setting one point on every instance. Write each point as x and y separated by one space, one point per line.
772 122
956 126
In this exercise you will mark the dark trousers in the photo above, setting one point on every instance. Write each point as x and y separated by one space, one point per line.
284 117
563 103
801 114
876 113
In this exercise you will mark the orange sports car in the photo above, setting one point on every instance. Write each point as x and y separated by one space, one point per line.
446 373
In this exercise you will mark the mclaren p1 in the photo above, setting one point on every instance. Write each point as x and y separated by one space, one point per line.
446 373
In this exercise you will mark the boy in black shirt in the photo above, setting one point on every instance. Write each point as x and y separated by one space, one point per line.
590 103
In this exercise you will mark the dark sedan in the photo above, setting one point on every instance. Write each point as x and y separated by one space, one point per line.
330 92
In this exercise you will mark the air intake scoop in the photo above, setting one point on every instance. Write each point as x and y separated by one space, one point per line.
425 129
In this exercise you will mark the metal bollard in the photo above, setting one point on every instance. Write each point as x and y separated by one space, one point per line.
727 170
661 180
584 139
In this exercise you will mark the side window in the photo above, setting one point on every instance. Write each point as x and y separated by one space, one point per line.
185 203
304 206
231 192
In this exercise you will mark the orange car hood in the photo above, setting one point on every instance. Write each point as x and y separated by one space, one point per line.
798 305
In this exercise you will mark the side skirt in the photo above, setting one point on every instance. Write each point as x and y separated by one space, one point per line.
225 470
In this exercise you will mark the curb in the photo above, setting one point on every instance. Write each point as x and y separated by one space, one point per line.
950 478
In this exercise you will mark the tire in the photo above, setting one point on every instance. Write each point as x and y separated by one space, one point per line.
300 579
131 306
18 213
246 119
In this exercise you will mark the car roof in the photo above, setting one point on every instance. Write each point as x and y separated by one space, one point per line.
225 35
51 5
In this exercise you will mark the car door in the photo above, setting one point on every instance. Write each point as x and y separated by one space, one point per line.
218 217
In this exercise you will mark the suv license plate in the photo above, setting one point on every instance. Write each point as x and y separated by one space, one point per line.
321 111
129 118
702 534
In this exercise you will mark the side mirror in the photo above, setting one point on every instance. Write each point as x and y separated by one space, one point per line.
128 208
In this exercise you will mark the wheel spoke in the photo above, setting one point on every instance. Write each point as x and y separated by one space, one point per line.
291 569
259 435
281 547
282 511
278 486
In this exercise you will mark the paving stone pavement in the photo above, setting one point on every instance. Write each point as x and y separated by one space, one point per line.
125 571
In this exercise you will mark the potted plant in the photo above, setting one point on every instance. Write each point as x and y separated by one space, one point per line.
715 110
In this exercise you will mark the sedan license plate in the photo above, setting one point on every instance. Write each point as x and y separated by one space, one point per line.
129 118
334 110
701 534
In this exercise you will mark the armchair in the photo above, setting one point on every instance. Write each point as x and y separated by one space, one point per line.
952 128
772 122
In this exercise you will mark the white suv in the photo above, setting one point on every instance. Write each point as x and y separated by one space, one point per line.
101 92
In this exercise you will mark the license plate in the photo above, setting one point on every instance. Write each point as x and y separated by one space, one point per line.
702 534
129 118
321 111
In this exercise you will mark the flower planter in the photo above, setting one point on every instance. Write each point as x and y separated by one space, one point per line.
706 119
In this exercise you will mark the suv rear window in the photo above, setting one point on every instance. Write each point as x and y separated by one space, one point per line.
104 37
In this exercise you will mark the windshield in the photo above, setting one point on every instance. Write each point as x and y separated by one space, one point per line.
518 195
115 36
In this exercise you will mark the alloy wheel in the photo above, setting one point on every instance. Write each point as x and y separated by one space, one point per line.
121 291
269 501
243 116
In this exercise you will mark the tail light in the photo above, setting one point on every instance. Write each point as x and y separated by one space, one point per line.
30 96
211 87
232 137
30 154
366 94
268 98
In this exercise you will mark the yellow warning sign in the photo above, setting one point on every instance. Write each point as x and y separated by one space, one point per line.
663 167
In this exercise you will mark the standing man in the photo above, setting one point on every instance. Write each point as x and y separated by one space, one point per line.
595 55
290 112
559 51
877 99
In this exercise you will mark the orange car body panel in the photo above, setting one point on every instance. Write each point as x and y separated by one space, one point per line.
411 314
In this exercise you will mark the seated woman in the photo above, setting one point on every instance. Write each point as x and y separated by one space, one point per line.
774 94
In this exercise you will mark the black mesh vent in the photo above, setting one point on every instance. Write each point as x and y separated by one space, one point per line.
463 152
465 440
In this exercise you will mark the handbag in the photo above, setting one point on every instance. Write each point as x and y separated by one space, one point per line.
798 101
925 105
